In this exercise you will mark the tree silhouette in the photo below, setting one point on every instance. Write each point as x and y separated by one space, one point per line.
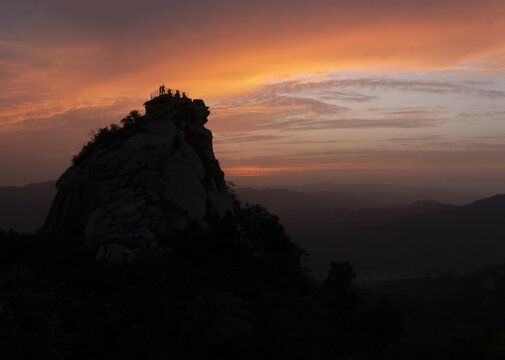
131 118
340 276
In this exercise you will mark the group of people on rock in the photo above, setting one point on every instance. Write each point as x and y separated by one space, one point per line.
164 91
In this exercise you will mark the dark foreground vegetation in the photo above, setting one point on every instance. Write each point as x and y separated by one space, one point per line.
235 291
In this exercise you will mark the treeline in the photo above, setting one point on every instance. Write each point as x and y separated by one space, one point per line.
235 291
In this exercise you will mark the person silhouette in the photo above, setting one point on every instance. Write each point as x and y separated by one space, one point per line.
169 93
162 89
184 95
177 94
159 90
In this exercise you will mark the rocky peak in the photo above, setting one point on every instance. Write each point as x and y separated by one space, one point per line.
144 182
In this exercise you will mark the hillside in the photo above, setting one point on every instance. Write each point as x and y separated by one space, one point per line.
408 244
25 208
486 285
392 192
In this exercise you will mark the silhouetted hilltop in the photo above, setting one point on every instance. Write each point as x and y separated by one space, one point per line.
494 204
357 196
423 205
135 184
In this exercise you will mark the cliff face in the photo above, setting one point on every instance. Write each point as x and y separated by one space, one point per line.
157 178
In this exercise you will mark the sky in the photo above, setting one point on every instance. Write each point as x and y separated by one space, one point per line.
403 91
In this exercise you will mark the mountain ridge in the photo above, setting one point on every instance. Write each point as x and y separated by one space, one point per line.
448 239
337 233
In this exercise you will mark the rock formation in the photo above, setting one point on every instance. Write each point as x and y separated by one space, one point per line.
154 180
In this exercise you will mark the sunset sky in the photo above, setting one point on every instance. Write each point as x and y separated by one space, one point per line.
404 91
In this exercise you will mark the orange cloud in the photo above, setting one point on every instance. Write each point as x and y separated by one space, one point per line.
59 57
235 50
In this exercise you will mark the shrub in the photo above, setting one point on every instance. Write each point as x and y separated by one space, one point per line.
107 135
132 118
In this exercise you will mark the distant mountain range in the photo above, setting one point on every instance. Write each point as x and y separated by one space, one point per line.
25 208
424 238
387 193
352 196
384 234
389 231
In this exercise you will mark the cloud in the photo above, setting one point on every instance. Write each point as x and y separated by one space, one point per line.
378 159
359 123
60 59
245 138
293 105
58 53
262 111
327 87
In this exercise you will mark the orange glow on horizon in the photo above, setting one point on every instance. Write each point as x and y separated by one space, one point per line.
253 171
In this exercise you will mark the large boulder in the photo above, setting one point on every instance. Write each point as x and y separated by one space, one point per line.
154 179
